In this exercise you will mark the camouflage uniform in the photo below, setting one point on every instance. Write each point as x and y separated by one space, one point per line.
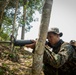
59 59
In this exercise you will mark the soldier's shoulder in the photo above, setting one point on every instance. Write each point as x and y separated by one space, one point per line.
67 45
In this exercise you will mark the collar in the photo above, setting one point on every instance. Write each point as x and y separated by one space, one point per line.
58 44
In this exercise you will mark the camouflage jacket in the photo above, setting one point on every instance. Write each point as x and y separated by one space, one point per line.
59 60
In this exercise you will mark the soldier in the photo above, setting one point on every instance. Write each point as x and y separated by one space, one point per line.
73 42
58 56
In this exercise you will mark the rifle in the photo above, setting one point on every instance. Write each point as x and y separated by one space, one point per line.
22 42
19 42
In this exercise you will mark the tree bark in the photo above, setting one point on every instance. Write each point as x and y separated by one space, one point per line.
39 50
3 5
24 19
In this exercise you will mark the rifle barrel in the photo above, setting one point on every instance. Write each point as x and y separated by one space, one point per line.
5 41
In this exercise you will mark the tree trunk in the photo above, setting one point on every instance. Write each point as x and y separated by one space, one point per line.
3 5
39 50
13 51
24 18
17 32
14 23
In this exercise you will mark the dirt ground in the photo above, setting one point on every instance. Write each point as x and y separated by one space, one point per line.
17 63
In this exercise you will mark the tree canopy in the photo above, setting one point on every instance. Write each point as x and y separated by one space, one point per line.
7 12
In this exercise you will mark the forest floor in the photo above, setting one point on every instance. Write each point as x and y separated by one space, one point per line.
17 63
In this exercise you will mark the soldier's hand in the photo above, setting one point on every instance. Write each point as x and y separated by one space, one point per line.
31 45
34 41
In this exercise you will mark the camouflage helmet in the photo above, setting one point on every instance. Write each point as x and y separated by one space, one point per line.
55 30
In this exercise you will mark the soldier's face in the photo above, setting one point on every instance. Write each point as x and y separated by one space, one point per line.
53 38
